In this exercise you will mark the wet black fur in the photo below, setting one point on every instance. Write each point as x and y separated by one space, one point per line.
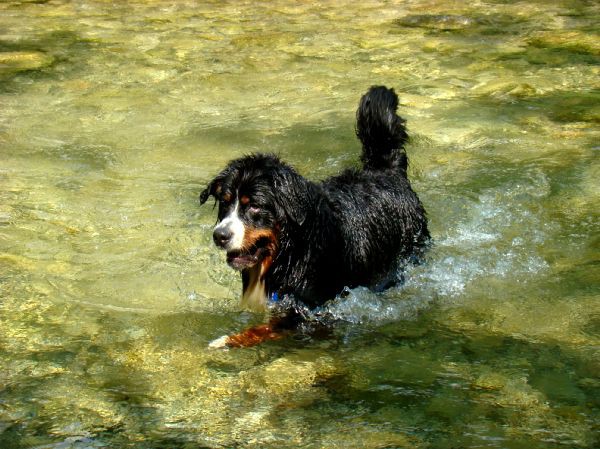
349 230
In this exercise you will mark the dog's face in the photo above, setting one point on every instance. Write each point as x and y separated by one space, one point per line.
246 226
248 221
263 204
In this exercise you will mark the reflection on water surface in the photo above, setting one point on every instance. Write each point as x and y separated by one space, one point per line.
114 116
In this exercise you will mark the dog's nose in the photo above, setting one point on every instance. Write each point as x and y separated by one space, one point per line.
222 236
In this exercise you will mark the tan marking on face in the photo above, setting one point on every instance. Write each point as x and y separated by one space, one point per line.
227 197
273 246
244 200
253 235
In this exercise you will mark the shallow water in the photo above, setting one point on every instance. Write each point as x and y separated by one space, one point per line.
114 116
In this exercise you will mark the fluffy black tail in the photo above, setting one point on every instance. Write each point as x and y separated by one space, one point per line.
381 130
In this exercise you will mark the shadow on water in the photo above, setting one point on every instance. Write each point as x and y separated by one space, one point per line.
421 368
561 107
471 24
299 144
48 55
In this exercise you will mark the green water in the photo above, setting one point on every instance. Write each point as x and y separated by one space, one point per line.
114 115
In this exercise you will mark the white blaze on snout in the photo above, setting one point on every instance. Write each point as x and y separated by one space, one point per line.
232 224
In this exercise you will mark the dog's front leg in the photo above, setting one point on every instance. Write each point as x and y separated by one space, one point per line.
252 336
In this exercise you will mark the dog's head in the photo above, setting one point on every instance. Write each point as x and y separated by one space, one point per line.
257 197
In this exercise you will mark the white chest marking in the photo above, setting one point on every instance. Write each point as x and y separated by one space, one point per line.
255 296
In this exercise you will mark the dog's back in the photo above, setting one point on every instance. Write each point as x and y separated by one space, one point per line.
380 217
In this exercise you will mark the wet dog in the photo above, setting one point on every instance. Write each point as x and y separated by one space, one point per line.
291 237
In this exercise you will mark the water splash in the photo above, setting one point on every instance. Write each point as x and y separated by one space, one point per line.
475 246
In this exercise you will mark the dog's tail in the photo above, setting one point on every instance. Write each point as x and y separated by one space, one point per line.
381 130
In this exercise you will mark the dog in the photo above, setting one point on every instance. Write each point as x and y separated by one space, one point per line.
291 237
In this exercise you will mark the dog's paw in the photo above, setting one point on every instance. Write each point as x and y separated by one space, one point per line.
219 343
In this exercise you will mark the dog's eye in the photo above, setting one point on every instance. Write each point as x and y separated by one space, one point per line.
254 209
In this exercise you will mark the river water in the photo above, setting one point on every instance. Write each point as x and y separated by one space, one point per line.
114 115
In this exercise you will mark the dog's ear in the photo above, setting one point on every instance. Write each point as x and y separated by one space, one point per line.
293 197
295 212
212 189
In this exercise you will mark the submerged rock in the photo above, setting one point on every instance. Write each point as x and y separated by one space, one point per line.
440 22
484 24
573 41
17 61
503 88
359 436
490 380
287 376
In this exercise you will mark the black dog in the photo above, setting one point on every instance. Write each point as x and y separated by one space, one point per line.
290 236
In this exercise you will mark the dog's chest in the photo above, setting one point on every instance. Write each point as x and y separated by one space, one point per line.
254 296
